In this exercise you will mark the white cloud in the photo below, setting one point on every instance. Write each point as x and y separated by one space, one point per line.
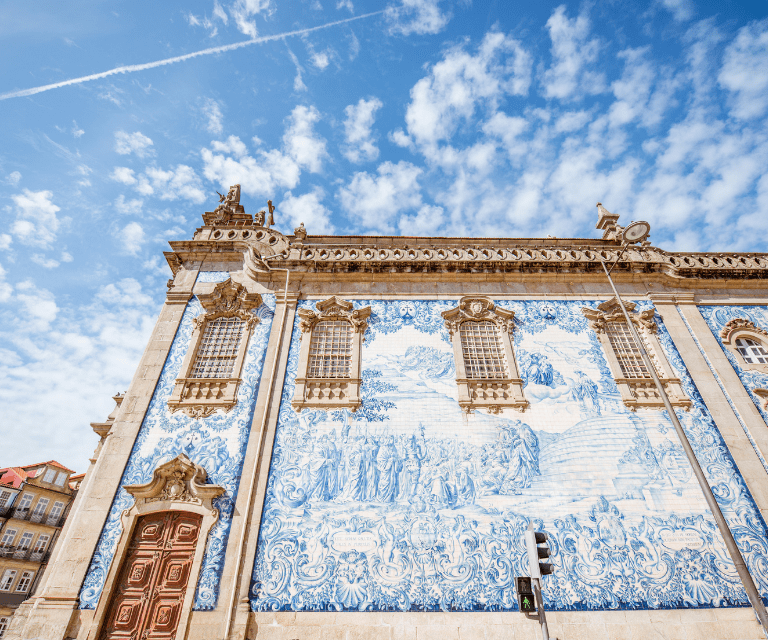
425 222
137 142
46 263
300 140
298 83
123 175
243 10
307 208
126 291
13 178
572 52
360 144
79 355
321 59
76 131
36 222
219 13
179 183
39 304
681 10
5 241
416 16
132 238
128 206
373 201
345 4
6 290
228 162
745 71
66 257
212 111
461 83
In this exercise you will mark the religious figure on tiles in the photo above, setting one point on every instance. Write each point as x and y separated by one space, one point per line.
585 391
388 466
415 452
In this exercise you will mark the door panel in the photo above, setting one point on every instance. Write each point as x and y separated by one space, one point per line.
147 599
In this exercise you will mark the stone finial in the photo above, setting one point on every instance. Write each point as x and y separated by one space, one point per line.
608 223
300 233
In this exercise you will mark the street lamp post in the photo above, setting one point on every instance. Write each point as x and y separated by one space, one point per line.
634 233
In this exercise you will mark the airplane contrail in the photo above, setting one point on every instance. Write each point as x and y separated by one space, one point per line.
159 63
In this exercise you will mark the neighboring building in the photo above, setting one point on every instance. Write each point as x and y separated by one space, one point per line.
34 502
355 448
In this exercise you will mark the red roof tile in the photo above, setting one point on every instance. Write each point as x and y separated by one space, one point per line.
51 463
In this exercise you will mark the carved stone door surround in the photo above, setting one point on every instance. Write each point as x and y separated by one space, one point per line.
178 487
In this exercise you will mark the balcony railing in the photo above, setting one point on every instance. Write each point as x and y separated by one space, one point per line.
32 516
24 553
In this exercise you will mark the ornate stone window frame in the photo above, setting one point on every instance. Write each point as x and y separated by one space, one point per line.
637 392
201 397
492 394
743 328
177 485
330 393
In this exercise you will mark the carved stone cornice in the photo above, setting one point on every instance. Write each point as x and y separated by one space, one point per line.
610 311
478 308
178 480
334 309
740 324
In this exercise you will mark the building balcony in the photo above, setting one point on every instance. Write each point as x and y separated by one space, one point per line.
31 516
24 553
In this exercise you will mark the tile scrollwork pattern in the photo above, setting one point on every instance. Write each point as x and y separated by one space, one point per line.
212 276
717 317
217 443
410 504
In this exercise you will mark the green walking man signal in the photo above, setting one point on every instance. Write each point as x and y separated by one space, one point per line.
525 597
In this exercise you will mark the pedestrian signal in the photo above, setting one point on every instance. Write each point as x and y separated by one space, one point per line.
525 599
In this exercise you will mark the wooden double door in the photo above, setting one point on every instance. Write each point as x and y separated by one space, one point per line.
147 600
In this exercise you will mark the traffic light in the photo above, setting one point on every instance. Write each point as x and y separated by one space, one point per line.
535 552
525 597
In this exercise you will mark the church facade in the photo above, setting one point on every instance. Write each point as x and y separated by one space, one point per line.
348 436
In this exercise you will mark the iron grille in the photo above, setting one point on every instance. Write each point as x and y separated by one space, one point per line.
218 348
626 351
330 352
482 350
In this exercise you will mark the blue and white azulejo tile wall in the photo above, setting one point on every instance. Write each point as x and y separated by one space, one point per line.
717 317
408 504
217 443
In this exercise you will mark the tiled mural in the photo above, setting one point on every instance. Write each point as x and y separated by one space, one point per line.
717 317
409 504
216 443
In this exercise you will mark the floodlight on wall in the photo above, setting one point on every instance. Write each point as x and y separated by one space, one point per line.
636 232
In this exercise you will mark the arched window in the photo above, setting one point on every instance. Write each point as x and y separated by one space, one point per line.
486 369
747 342
329 359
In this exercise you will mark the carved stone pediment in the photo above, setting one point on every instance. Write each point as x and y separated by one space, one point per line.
610 311
178 480
740 324
334 309
478 308
229 296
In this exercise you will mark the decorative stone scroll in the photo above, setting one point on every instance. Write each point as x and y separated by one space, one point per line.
201 397
636 392
177 486
330 392
492 393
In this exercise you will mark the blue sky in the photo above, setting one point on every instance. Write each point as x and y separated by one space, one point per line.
416 117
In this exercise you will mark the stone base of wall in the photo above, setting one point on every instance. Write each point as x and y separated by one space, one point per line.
701 624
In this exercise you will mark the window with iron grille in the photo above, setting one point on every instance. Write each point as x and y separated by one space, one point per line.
482 351
752 351
330 351
4 495
25 581
218 348
626 350
3 625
